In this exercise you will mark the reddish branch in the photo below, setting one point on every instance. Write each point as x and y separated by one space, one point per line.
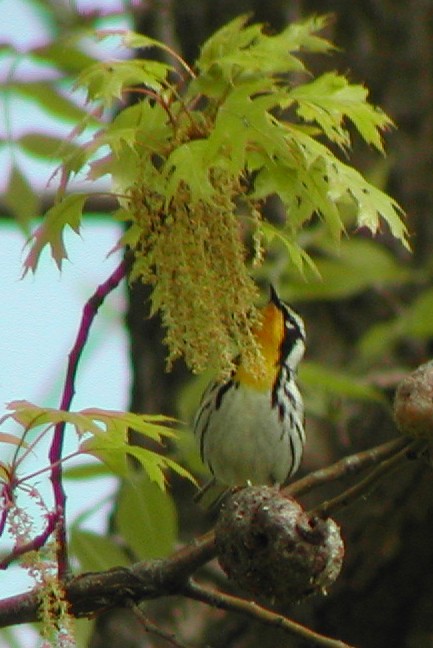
3 518
55 454
5 501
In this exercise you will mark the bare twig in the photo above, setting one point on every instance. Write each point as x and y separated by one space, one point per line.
6 499
149 626
364 487
348 466
253 610
3 518
55 454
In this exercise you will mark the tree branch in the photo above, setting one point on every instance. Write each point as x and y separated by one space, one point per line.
91 593
346 467
364 487
231 603
55 454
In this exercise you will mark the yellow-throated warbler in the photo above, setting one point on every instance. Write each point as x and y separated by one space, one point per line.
250 429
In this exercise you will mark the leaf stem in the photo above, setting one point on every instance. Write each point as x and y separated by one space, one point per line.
46 468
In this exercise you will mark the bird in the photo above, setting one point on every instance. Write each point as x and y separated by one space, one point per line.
250 428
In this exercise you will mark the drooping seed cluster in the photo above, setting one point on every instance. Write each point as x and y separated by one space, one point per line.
193 254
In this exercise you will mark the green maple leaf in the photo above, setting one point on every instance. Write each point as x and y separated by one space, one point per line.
68 212
238 47
243 123
187 165
105 435
108 80
330 99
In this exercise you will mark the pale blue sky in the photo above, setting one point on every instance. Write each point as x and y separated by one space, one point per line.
40 316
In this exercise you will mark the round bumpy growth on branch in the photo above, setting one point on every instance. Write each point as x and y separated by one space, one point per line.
271 548
413 403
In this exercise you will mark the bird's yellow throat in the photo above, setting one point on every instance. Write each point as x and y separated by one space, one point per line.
269 337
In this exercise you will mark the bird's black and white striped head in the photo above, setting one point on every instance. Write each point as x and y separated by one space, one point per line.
292 342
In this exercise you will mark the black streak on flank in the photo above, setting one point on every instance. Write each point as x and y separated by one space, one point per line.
221 391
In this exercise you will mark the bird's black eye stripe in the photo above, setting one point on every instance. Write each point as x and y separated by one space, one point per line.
293 333
292 326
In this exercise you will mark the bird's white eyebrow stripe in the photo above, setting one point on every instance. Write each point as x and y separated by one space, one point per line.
293 321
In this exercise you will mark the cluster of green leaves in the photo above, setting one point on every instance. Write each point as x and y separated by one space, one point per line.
101 433
239 112
203 146
145 518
